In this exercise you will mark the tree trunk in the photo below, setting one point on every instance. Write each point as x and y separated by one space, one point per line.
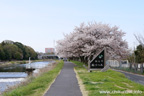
141 68
82 59
130 67
135 67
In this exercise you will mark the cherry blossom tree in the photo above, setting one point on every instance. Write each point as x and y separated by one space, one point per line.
88 40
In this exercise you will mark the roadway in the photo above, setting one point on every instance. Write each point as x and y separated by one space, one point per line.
134 77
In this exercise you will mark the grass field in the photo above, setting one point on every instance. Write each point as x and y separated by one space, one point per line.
109 83
39 85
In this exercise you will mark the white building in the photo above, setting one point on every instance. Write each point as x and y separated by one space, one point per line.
115 63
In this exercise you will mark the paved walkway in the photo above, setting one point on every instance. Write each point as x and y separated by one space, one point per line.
66 83
134 77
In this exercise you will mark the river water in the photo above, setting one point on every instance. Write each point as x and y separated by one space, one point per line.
15 74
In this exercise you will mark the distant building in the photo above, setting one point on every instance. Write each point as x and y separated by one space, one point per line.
115 63
49 50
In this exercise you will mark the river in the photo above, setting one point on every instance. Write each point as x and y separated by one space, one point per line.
15 74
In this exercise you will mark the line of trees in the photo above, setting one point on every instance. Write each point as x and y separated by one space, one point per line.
10 50
88 40
137 56
139 52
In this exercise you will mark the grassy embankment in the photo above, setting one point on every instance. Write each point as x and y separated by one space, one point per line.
110 83
5 63
38 85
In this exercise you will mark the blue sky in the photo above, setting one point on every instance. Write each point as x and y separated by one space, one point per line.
37 23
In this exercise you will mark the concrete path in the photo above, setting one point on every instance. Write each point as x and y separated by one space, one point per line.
66 83
134 77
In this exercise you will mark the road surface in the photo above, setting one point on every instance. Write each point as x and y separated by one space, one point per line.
134 77
66 83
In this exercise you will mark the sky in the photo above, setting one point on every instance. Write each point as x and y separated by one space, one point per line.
40 23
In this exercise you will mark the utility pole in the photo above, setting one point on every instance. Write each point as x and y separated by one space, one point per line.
134 59
54 43
134 52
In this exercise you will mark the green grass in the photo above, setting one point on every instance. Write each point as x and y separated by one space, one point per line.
39 85
110 81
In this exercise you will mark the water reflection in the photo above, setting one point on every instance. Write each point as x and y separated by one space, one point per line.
22 67
14 74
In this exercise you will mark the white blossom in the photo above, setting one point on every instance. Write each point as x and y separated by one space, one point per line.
88 40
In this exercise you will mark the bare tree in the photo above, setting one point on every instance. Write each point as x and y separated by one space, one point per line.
140 39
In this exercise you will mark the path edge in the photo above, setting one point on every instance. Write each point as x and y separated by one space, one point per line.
51 84
81 85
